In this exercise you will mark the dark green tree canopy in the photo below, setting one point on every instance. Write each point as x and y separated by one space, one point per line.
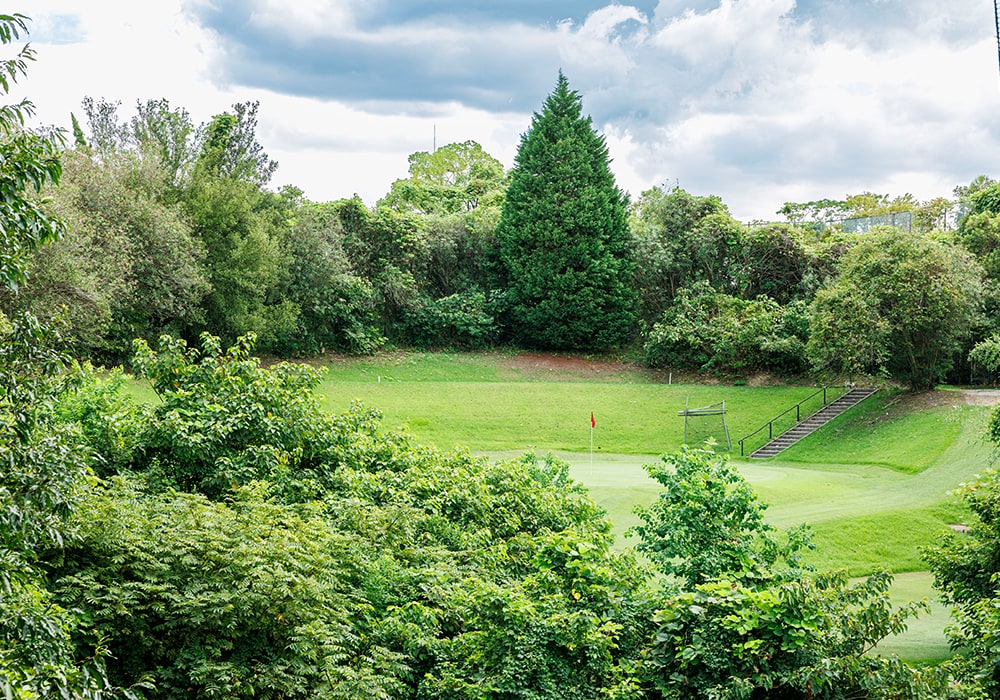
563 234
901 306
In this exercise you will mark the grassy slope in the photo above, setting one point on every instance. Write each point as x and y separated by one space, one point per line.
477 402
878 475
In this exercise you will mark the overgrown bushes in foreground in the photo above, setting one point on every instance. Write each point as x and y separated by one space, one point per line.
241 543
247 544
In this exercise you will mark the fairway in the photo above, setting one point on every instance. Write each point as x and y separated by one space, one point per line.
873 485
492 403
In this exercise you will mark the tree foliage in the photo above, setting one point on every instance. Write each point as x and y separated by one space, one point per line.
44 471
708 523
682 240
30 161
563 235
966 568
742 619
337 307
245 263
167 134
808 637
44 478
901 306
230 150
325 557
661 222
128 264
456 178
774 261
705 330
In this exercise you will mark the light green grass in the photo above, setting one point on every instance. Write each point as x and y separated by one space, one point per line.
923 641
883 431
140 391
631 418
887 540
480 403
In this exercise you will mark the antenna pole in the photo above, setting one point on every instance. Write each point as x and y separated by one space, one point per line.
996 21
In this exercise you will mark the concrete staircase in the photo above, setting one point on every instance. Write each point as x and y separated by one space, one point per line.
810 424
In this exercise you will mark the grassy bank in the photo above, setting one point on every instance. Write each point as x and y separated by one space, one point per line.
490 403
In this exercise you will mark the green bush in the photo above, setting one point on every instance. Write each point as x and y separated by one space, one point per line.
325 557
461 321
224 421
742 619
804 638
705 330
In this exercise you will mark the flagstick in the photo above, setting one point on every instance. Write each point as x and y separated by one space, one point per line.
591 451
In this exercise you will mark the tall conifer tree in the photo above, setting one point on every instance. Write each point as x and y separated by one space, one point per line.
564 235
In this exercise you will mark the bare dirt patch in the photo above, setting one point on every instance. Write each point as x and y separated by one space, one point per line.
553 366
908 402
977 397
950 397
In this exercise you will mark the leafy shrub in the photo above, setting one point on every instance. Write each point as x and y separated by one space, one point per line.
458 321
804 638
706 330
966 568
326 557
224 421
708 523
986 355
742 619
248 599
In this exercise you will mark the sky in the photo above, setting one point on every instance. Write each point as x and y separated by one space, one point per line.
760 102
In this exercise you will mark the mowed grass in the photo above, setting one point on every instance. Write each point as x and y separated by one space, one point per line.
887 430
924 641
483 403
873 485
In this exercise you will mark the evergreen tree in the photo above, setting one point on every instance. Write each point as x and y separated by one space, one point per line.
563 235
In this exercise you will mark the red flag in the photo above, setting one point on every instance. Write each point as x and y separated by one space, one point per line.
593 423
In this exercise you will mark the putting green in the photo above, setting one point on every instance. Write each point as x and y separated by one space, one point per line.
832 497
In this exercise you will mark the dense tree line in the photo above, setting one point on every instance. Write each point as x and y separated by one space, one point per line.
171 228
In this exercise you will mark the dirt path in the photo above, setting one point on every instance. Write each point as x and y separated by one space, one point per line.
977 397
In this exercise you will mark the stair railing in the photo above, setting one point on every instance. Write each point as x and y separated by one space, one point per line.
798 415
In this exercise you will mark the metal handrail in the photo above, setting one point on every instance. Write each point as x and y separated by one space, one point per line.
798 417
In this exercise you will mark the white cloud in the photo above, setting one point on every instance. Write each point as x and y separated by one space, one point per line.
602 24
758 101
305 18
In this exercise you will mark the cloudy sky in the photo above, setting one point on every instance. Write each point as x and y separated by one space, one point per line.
757 101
